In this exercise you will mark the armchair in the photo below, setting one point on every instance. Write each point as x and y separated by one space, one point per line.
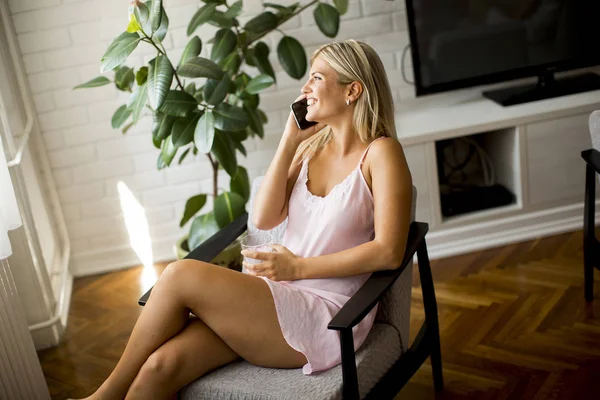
378 370
591 246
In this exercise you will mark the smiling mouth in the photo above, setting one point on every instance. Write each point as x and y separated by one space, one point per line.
311 102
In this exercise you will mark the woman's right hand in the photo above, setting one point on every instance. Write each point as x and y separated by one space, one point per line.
296 135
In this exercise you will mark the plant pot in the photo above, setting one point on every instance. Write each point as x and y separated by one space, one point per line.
230 257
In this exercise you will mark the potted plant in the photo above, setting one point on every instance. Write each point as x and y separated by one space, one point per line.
207 106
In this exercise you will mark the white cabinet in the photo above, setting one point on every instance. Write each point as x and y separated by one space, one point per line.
534 150
556 172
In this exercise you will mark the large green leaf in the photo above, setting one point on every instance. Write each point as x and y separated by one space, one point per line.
161 32
241 184
124 78
225 43
241 81
183 155
141 76
255 122
220 20
142 15
203 227
205 132
192 206
230 118
192 49
162 126
259 83
250 100
263 22
98 81
224 151
119 50
168 151
120 116
228 206
341 5
234 10
183 130
263 116
278 7
231 64
156 14
292 57
199 67
238 136
240 147
201 16
137 101
215 91
178 103
261 59
328 19
160 76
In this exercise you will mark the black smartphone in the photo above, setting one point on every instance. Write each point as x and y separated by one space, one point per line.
299 110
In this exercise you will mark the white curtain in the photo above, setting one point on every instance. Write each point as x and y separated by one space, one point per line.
9 211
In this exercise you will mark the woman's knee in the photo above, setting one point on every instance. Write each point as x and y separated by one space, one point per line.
159 367
184 270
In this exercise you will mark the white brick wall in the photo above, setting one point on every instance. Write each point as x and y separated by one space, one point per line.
62 42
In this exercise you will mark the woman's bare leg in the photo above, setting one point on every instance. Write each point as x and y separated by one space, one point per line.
162 318
238 308
192 353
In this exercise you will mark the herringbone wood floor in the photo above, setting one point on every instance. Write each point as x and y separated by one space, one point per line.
513 323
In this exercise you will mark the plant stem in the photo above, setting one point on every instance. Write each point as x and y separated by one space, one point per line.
215 165
164 53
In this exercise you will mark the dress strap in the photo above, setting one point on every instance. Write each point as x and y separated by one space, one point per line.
362 159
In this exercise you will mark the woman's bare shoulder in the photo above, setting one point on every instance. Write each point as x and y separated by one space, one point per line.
386 150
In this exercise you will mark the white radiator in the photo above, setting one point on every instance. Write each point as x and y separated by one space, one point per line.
21 376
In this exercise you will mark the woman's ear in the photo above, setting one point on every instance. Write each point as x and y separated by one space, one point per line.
355 90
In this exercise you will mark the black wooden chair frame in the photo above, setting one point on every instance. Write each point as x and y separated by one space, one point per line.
426 343
591 246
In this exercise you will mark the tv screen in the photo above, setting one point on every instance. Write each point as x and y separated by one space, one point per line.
461 43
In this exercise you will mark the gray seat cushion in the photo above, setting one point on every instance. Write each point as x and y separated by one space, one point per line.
242 380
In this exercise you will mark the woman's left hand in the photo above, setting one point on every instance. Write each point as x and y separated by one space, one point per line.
277 266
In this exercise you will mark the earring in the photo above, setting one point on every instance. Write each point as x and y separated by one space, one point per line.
347 102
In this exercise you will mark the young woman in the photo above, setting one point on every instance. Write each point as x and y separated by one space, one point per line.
346 189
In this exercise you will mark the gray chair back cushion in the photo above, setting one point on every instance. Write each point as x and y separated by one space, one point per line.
394 308
595 131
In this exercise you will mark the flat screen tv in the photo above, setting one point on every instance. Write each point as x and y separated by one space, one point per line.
462 43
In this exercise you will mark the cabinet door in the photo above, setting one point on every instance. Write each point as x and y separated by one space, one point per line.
556 171
417 162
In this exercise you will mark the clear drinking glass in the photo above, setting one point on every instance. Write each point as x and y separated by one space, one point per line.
260 241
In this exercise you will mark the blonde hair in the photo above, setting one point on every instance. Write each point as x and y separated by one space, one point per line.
374 112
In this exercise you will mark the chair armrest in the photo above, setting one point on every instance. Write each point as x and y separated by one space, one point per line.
215 244
363 301
212 246
592 158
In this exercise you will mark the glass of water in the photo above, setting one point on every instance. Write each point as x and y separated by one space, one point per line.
260 242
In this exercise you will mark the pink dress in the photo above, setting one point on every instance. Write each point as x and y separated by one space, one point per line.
317 226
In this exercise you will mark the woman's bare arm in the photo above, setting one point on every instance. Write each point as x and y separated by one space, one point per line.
271 199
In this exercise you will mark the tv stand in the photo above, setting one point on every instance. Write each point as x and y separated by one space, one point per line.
534 150
546 88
